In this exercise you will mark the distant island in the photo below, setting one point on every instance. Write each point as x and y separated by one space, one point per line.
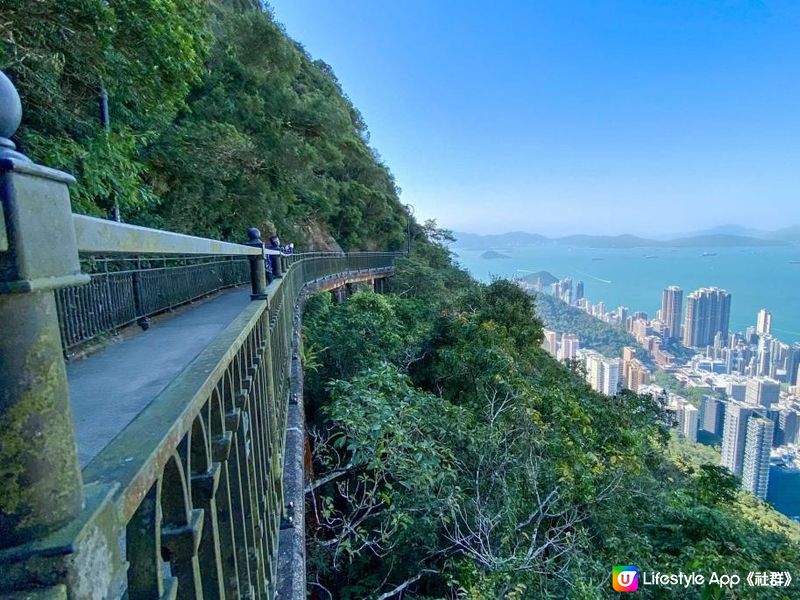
700 240
541 278
491 254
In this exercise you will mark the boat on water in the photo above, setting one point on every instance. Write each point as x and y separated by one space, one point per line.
651 256
597 258
794 262
708 254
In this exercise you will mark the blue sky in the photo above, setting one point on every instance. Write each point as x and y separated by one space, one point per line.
567 116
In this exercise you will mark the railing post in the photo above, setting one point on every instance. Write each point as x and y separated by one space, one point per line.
138 306
258 275
41 481
277 265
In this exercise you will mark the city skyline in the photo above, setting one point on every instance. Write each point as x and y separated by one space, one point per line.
549 113
750 381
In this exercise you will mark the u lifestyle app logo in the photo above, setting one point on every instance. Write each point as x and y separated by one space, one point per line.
625 579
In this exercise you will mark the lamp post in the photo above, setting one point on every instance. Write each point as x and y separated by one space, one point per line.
409 214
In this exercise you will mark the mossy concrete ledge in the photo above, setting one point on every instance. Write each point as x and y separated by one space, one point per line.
41 482
84 556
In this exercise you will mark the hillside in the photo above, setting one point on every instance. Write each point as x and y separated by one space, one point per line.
593 333
543 278
218 121
444 437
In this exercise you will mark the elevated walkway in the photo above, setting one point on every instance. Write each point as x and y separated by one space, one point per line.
109 388
189 478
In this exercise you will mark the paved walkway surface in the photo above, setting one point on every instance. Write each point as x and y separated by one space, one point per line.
110 387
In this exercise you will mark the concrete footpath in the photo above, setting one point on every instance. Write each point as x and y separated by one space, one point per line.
110 387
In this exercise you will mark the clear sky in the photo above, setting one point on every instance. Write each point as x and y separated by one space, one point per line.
565 116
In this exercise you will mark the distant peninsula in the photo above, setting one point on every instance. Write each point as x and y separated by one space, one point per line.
472 241
542 278
492 254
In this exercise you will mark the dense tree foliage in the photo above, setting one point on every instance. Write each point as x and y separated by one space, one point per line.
593 333
219 121
453 458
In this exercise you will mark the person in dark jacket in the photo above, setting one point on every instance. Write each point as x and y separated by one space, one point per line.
275 243
268 269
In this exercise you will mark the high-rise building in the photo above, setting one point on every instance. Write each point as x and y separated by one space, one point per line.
550 343
570 344
633 318
712 415
788 426
578 290
786 422
734 433
755 464
764 355
602 374
764 322
594 370
736 391
708 311
611 377
634 373
793 364
762 391
687 420
671 306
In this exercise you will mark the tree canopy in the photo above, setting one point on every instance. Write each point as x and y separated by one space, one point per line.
454 458
219 121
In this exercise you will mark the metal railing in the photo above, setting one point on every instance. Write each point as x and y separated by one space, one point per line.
124 291
207 454
187 501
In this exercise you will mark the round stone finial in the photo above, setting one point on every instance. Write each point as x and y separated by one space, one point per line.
10 107
254 234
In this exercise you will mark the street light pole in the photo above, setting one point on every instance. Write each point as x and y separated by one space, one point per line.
409 214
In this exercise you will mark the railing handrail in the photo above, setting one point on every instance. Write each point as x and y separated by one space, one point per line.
101 236
105 237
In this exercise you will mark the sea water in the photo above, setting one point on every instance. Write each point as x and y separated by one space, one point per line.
767 277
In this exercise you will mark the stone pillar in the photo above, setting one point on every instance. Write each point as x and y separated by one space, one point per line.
258 275
41 481
277 265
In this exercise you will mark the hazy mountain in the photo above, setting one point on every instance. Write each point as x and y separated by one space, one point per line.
720 240
729 229
787 234
506 240
472 241
605 241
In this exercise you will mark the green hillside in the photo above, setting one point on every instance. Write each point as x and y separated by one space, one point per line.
219 121
454 458
592 332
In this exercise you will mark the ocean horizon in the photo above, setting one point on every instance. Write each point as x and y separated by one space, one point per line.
756 277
